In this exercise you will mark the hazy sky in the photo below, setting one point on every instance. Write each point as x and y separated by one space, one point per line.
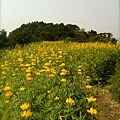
99 15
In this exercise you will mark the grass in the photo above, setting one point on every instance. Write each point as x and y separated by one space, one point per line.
55 80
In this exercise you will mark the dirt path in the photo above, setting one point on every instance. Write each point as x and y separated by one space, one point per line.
109 108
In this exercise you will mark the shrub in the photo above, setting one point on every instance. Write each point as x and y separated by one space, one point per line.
115 87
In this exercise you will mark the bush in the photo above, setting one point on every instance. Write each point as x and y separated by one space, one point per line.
115 87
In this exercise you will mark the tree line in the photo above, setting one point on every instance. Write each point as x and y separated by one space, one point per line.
40 31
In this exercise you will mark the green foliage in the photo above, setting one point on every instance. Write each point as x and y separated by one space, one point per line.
3 39
115 83
52 79
40 31
1 53
67 40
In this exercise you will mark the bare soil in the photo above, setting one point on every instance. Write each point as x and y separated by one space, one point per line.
109 109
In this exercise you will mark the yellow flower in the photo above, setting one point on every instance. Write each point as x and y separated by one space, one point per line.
26 114
7 101
87 77
51 75
63 80
37 73
91 99
22 89
56 98
70 101
33 60
79 70
79 73
3 68
63 70
25 106
47 70
43 70
32 63
63 64
27 65
79 66
53 71
92 111
61 117
47 64
9 94
29 78
22 65
88 86
28 74
13 75
20 60
3 73
6 64
28 70
63 73
7 88
49 91
16 69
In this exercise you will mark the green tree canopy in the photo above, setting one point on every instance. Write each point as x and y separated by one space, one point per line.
40 31
3 38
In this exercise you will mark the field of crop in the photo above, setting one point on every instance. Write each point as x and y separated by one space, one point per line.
57 80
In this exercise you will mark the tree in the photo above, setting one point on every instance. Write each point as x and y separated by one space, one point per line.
3 39
40 31
92 33
113 40
81 35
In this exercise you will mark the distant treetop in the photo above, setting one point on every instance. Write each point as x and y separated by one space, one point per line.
40 31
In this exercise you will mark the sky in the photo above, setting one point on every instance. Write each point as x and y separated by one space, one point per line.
99 15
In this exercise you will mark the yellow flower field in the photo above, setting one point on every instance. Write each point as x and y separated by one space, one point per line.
47 80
